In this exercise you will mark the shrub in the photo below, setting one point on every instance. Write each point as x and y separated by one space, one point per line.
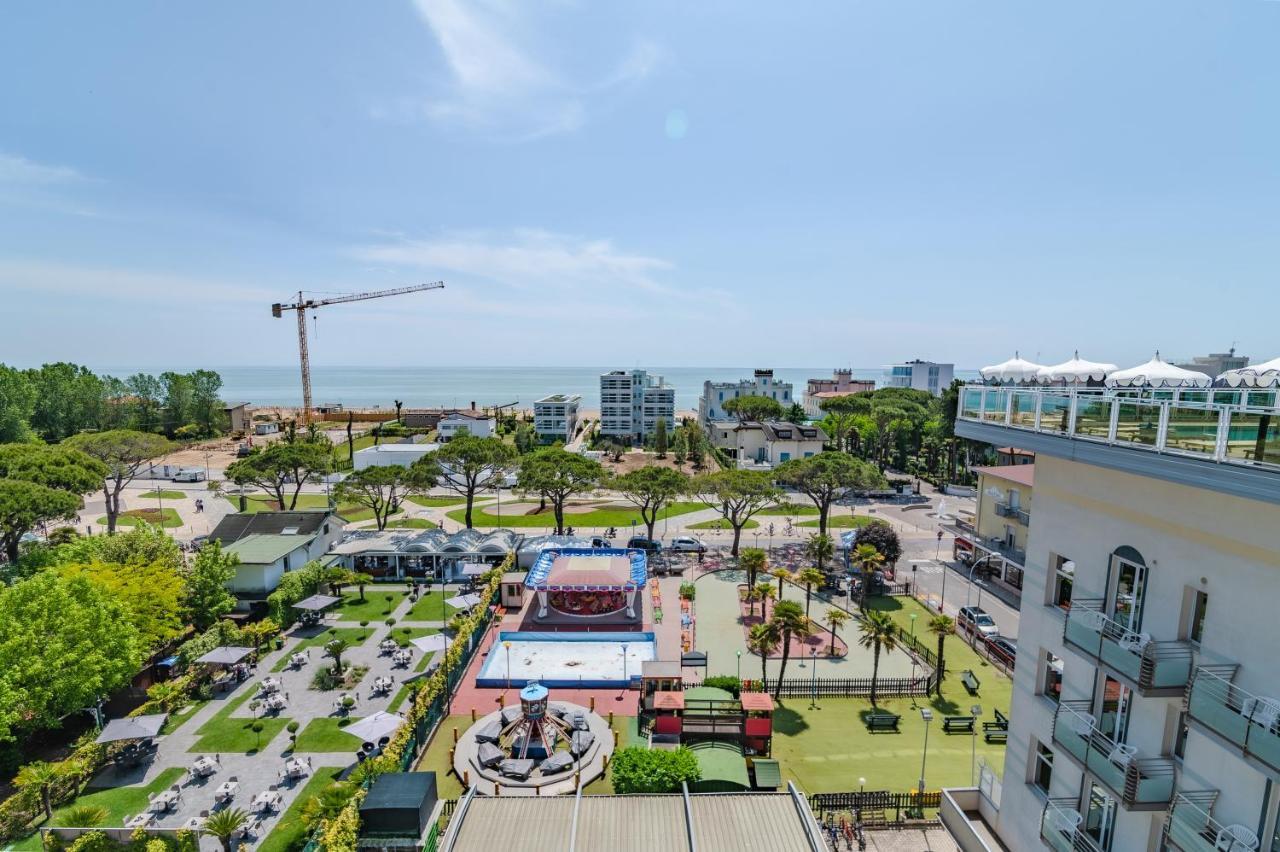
688 591
728 683
883 538
643 770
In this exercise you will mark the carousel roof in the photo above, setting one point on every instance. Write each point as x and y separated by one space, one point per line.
1158 373
1266 375
1076 370
1013 370
587 569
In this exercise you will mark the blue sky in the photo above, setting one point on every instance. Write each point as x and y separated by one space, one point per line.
658 182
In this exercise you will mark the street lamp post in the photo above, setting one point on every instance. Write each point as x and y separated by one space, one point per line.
976 712
927 715
739 669
813 680
914 616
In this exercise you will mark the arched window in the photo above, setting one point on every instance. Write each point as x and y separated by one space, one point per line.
1129 580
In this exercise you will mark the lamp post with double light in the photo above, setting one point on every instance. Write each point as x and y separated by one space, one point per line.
927 715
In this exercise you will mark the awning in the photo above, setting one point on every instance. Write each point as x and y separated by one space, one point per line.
431 644
475 569
1266 375
373 728
1013 370
316 603
132 728
463 601
1076 370
227 655
1158 374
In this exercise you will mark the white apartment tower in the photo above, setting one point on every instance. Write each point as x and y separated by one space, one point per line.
716 394
1146 703
632 403
921 375
555 417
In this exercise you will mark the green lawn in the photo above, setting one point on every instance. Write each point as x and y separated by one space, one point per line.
433 501
162 495
353 635
841 521
120 803
596 518
227 734
176 720
721 524
411 524
266 503
431 607
167 519
289 832
374 607
325 735
790 510
405 635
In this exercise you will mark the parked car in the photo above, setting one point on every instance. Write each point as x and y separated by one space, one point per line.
975 620
189 474
599 541
1003 649
641 543
687 544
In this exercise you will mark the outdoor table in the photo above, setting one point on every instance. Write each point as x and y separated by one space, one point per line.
296 768
382 685
265 801
226 791
270 684
194 824
164 801
204 766
388 646
298 660
141 820
401 657
276 702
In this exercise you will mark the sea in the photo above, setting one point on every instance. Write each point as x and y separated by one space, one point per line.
458 387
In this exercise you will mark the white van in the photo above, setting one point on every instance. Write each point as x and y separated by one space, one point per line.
189 474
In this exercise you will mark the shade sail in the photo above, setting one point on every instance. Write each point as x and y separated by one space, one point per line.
1013 370
1157 373
1266 375
475 569
316 602
431 644
1076 370
132 728
463 601
373 728
227 655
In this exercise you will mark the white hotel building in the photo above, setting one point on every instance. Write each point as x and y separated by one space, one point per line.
632 403
555 417
1146 703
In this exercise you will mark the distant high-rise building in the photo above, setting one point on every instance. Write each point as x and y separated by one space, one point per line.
1216 363
716 394
921 375
632 403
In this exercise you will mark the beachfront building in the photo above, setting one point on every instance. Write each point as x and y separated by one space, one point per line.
403 453
468 421
994 541
841 383
716 394
921 375
632 403
270 543
1216 363
768 444
426 554
555 417
1144 712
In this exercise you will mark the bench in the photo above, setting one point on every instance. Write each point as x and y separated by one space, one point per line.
951 724
1000 724
883 721
996 736
970 681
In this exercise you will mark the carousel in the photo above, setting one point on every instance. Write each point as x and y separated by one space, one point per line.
586 583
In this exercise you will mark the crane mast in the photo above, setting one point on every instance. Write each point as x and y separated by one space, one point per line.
303 305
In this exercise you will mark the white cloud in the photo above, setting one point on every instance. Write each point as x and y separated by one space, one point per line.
14 169
153 289
499 86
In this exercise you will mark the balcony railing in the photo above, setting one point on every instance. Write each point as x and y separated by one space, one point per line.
1139 783
1004 510
1236 426
1250 722
1191 827
1060 828
1155 668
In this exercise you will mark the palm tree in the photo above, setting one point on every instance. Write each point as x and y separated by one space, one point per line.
41 776
783 575
764 592
835 619
763 640
224 825
878 633
868 559
332 799
791 622
334 649
941 626
819 548
809 577
85 816
753 561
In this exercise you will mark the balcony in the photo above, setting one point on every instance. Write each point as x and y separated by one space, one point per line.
1060 828
1140 784
1191 827
1152 668
1004 510
1249 722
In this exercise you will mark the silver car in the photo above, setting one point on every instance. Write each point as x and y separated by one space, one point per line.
687 544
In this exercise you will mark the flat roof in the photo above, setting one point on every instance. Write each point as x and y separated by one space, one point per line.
559 398
1023 474
399 448
264 548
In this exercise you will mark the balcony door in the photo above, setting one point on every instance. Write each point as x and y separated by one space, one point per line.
1100 817
1129 580
1117 704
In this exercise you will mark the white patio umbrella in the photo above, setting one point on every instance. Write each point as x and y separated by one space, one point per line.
1014 370
1076 370
431 644
1266 375
370 729
1158 373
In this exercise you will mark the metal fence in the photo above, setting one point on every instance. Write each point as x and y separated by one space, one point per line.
839 687
874 806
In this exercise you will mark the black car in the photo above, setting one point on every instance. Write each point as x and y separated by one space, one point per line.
1002 649
642 543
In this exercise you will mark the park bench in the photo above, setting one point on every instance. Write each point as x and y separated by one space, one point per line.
998 735
970 681
1000 724
883 721
951 724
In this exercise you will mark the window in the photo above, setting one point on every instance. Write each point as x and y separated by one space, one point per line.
1131 579
1051 684
1013 576
1042 770
1180 740
1199 604
1064 575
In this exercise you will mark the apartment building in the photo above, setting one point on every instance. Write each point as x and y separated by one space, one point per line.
841 383
1143 715
921 375
632 403
994 543
716 394
555 417
770 443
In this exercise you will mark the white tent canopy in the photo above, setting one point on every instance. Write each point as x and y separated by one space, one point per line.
1266 375
1013 370
1076 370
373 728
1157 373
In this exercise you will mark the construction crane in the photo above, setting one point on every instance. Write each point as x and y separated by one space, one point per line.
303 305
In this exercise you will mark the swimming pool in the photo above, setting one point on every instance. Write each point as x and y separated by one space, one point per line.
589 660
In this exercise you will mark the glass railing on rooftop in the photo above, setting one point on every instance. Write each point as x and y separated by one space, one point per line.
1139 783
1237 426
1154 667
1250 722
